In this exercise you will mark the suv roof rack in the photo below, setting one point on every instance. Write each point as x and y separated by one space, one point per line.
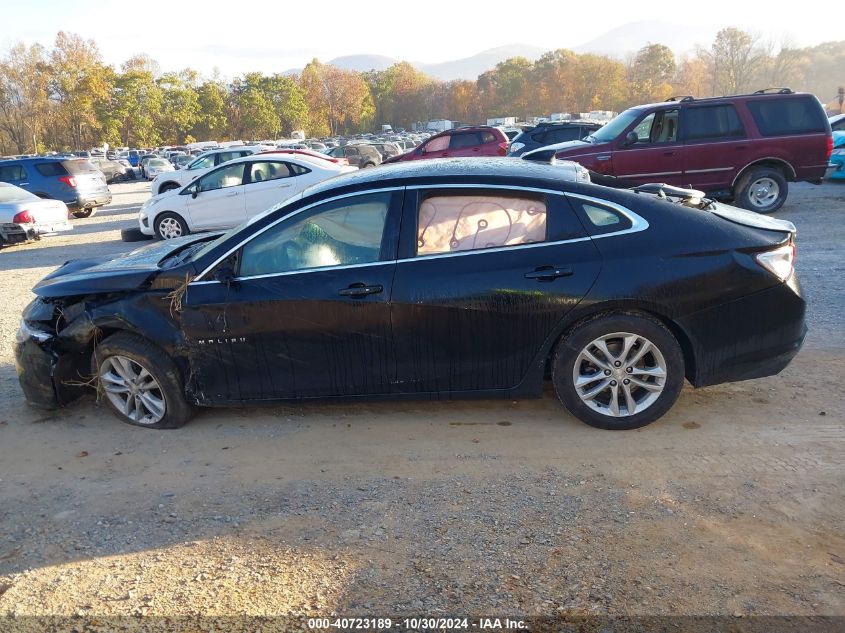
681 98
779 91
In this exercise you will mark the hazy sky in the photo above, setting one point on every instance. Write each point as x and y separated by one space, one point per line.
275 35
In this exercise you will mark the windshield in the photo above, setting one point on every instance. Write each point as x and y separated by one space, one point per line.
80 166
615 127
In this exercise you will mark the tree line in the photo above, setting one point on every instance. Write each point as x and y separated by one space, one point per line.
66 97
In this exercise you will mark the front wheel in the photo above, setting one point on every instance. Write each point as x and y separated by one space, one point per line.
169 226
618 371
763 190
140 383
83 213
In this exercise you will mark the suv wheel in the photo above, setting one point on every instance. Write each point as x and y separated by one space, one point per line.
763 190
83 213
618 371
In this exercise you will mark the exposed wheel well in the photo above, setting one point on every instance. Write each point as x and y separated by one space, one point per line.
600 311
772 163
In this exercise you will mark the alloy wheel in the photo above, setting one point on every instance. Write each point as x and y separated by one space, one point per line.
763 192
169 228
619 374
132 389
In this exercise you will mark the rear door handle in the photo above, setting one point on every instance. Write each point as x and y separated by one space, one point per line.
360 290
603 157
230 195
738 147
549 273
668 153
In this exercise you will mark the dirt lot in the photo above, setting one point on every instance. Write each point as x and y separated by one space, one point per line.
733 503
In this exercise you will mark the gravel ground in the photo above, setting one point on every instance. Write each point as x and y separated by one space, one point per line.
733 503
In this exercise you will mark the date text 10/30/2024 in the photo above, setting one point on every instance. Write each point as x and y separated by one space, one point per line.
383 624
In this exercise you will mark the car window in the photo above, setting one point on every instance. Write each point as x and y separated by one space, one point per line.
713 122
451 223
225 157
54 168
338 233
9 173
775 117
839 124
269 170
465 139
230 176
439 144
75 167
351 151
599 218
14 194
298 170
562 134
658 127
203 163
488 137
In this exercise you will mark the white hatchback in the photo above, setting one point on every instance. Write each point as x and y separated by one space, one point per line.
232 193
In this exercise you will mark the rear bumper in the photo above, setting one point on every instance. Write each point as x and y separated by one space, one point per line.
752 337
89 200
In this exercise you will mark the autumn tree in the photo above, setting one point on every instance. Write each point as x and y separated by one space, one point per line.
735 59
338 100
24 91
650 74
180 106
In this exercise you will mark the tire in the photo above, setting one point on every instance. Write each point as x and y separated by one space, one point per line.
133 235
168 186
120 363
83 213
570 361
762 190
168 226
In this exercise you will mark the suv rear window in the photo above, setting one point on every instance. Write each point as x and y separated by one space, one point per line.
54 168
712 122
775 117
79 167
464 139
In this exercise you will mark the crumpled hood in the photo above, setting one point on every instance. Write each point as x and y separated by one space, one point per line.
109 273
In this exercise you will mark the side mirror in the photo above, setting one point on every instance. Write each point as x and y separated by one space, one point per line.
225 275
631 138
195 192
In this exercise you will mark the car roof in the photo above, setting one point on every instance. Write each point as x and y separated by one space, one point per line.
480 170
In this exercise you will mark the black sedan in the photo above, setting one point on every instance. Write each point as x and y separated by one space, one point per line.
432 279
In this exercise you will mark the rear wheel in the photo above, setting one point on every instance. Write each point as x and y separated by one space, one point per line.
140 383
83 213
763 190
618 371
169 226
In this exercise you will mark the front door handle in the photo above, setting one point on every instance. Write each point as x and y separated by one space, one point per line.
231 195
360 290
549 273
668 153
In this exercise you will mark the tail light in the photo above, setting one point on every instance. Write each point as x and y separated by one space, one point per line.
70 181
343 161
779 261
829 146
503 149
23 217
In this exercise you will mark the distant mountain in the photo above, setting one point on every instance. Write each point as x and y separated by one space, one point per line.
631 37
618 42
363 63
472 67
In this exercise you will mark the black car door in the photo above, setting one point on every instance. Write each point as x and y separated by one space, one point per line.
308 311
484 276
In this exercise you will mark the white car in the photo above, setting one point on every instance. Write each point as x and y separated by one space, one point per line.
25 216
233 193
201 165
157 166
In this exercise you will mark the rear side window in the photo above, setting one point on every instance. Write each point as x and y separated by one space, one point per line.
488 137
8 173
713 122
452 223
600 219
51 169
79 167
775 117
467 139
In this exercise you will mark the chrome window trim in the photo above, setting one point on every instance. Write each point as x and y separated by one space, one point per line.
198 278
637 224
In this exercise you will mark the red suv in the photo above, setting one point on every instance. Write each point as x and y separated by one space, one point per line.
745 148
463 141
